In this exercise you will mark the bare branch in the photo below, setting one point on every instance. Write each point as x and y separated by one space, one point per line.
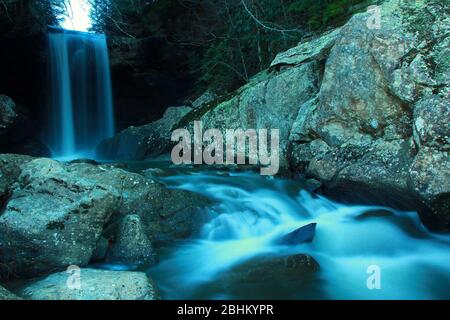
264 25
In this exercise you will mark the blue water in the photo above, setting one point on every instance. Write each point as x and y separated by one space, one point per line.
250 212
81 110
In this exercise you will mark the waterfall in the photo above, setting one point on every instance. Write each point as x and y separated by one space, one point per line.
81 105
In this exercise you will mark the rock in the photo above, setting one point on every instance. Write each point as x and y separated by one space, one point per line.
429 176
312 185
431 122
131 245
313 49
52 219
88 161
166 214
94 285
268 102
207 97
262 268
17 131
55 214
269 277
8 116
101 250
7 295
303 234
139 143
10 169
383 101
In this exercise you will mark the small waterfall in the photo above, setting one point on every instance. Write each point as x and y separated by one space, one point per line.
250 212
81 105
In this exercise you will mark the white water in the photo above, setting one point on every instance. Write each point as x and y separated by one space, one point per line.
81 104
251 212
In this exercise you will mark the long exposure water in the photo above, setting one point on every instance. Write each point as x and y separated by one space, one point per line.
81 104
251 212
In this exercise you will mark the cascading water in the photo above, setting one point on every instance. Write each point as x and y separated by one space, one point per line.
81 104
251 212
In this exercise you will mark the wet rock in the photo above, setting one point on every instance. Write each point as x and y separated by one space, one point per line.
269 277
130 244
7 295
88 161
93 285
313 185
139 143
264 268
303 234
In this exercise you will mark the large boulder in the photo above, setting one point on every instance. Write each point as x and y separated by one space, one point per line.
379 121
55 215
92 284
52 219
138 143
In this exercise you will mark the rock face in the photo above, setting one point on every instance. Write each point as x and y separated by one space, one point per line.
146 77
363 107
54 215
138 143
93 285
375 119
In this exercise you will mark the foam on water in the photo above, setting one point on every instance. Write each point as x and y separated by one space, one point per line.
252 211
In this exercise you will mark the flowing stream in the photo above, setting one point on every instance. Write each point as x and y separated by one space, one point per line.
81 104
251 212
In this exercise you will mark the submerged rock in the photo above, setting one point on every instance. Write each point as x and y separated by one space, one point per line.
52 219
93 285
269 277
304 234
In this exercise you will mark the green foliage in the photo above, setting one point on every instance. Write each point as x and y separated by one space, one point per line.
228 40
20 16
